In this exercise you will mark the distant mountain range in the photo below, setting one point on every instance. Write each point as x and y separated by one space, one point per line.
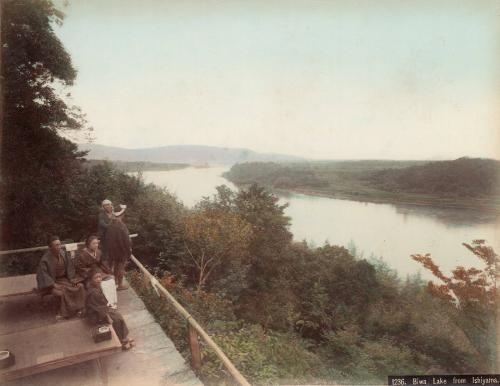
191 154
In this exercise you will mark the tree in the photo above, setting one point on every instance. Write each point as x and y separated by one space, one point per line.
270 233
473 292
215 240
157 217
38 167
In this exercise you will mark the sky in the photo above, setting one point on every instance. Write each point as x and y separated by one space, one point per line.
321 79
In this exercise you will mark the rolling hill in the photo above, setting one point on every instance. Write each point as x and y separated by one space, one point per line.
191 154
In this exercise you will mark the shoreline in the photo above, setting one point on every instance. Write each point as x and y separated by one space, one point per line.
423 201
447 203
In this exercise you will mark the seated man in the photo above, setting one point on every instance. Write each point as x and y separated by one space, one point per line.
56 275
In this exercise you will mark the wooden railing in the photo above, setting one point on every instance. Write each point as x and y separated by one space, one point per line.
194 329
43 248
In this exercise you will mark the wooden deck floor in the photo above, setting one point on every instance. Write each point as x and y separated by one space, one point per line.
154 360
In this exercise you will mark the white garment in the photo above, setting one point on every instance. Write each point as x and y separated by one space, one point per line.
108 287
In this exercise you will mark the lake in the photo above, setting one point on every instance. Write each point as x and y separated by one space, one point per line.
392 232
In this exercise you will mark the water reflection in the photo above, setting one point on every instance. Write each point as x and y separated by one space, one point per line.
450 216
382 230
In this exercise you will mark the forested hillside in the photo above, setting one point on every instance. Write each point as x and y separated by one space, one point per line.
464 177
465 182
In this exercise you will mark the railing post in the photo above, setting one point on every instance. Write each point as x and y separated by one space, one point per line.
194 347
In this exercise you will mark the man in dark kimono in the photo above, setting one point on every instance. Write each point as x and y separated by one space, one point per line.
98 311
105 217
56 275
119 246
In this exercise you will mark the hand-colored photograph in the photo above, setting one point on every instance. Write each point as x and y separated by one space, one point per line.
234 192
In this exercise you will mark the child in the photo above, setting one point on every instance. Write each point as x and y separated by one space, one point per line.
99 312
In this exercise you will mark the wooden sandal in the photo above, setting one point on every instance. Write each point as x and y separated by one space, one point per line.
128 344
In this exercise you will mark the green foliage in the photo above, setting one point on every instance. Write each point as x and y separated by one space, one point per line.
462 183
265 357
359 360
38 167
153 213
334 288
463 177
270 236
418 322
19 264
216 243
157 216
275 175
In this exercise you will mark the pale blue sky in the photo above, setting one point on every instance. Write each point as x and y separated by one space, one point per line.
320 79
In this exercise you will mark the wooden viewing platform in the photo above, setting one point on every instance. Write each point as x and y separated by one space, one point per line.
53 346
28 328
25 316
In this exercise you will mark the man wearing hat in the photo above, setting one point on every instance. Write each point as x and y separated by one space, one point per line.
119 246
105 217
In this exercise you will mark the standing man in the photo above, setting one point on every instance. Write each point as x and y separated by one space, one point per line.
119 246
105 217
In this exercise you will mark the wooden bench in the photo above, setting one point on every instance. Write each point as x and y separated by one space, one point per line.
21 285
52 346
17 285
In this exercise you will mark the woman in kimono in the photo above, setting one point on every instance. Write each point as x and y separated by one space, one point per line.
99 312
90 258
56 275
